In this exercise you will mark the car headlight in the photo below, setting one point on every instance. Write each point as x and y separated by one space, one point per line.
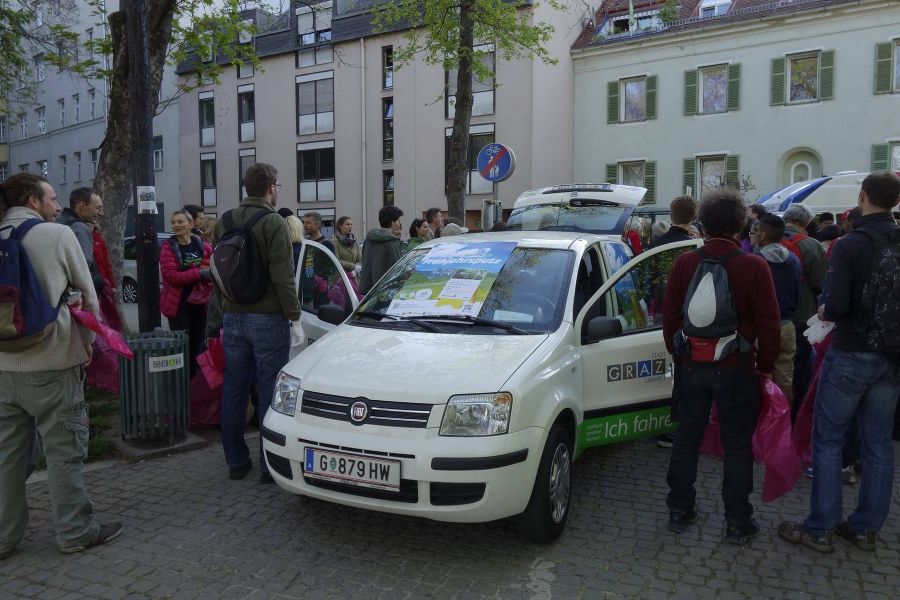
477 414
287 390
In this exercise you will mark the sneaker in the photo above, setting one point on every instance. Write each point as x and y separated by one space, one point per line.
795 534
241 471
740 534
848 475
865 541
265 478
106 534
665 441
808 471
679 521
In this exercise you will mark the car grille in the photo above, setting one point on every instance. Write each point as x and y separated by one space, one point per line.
391 414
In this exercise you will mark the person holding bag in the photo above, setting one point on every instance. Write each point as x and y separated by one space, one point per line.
187 282
348 251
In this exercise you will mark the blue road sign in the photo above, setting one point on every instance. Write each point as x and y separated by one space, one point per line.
496 162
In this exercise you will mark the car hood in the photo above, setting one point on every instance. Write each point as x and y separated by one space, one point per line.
407 366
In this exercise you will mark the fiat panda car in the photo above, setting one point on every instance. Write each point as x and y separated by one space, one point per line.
463 386
601 208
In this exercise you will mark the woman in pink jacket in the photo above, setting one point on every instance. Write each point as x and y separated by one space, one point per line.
186 282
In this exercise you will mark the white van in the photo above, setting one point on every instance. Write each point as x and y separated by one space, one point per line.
472 375
831 193
601 208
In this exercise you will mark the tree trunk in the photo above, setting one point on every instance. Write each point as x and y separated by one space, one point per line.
457 167
113 179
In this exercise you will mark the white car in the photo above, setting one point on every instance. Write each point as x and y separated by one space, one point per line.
601 208
472 375
129 266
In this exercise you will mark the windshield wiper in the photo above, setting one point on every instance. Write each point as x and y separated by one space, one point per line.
477 321
423 325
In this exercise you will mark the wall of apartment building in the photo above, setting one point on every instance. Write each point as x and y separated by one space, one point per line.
831 134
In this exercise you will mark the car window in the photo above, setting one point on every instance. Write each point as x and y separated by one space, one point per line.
586 216
588 280
320 281
129 250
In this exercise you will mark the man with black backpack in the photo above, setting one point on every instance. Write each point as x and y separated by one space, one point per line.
253 266
860 375
721 321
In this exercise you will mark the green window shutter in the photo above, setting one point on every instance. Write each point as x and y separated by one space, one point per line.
612 102
651 96
650 182
732 170
690 176
612 173
690 92
777 96
883 63
826 75
880 154
734 87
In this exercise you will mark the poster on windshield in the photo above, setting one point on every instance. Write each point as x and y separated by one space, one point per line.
452 279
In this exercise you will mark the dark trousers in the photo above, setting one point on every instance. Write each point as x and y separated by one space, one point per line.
192 319
802 368
737 396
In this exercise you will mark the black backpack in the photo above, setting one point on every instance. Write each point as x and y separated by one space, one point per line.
236 263
710 316
880 298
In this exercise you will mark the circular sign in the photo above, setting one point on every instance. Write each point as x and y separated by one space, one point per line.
358 412
496 162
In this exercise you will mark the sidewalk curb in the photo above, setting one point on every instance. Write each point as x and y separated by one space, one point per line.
138 450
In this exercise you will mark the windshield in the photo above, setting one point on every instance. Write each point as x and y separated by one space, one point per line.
470 284
586 216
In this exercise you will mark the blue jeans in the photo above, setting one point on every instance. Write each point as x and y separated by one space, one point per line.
255 345
863 384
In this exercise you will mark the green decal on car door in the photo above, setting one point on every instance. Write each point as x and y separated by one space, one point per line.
610 429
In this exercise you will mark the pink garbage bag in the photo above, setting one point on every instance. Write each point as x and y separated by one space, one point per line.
103 372
803 424
772 443
113 338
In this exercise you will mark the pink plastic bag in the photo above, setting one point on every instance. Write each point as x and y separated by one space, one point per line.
712 438
803 424
206 403
772 443
103 372
113 338
212 362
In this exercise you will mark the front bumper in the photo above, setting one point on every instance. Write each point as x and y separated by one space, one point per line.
457 479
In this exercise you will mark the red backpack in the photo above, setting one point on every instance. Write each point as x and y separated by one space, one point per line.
793 244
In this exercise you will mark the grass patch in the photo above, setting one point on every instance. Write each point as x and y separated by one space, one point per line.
103 412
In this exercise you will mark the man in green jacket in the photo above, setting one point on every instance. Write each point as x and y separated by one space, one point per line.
257 338
382 248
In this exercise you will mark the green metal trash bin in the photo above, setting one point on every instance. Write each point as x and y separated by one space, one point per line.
154 386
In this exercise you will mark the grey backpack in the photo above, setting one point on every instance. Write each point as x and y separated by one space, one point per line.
710 316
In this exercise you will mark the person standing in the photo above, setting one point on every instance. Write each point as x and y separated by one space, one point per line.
732 380
42 383
435 221
85 206
256 339
382 248
186 283
418 230
196 213
312 225
860 375
346 248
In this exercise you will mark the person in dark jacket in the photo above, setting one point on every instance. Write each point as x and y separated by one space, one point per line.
732 382
786 274
859 378
682 211
382 248
85 207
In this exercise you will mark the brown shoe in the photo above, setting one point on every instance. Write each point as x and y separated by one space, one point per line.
864 541
106 534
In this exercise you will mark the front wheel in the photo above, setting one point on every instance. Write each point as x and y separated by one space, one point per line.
129 290
548 509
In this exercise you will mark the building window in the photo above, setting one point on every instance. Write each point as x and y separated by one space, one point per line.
207 119
23 126
388 186
61 107
2 130
314 23
42 168
886 157
712 173
89 34
39 69
482 91
76 108
638 173
887 67
245 70
245 36
802 78
4 170
623 24
41 114
92 99
76 160
157 153
387 67
705 173
714 8
246 113
387 128
63 168
95 159
315 103
713 89
634 99
246 157
315 172
631 100
208 178
479 137
23 168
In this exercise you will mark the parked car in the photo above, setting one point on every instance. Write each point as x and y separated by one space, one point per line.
467 381
129 266
832 193
601 208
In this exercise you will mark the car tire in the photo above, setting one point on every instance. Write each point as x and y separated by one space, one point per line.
129 290
548 509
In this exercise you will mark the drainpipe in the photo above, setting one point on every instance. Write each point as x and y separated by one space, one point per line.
362 114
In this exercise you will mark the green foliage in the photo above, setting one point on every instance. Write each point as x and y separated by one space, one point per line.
669 12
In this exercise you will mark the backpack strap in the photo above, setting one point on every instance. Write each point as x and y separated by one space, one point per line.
723 259
24 227
248 226
228 220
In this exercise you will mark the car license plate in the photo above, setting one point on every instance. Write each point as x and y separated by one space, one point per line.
352 469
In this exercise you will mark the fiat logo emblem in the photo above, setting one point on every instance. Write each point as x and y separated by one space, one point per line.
358 412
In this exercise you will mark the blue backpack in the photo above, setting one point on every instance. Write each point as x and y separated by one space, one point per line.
26 315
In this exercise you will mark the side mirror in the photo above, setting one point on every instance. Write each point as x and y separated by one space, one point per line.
601 328
332 313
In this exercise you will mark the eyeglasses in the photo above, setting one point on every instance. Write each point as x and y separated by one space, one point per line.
752 232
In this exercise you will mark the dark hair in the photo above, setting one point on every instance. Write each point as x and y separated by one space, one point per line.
18 188
722 212
745 232
193 210
882 188
500 226
683 209
773 226
315 217
285 212
340 222
829 232
258 178
431 213
82 194
388 214
853 214
758 210
415 225
826 216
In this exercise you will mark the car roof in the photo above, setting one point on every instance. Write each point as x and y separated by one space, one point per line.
563 194
561 240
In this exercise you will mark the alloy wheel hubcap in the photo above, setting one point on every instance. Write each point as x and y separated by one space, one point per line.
560 483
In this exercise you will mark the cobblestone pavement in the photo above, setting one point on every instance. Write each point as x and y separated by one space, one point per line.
193 533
